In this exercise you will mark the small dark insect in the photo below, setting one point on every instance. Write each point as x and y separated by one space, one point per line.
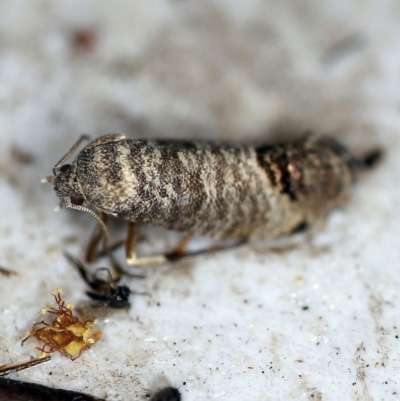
167 394
108 292
15 390
7 273
217 189
84 41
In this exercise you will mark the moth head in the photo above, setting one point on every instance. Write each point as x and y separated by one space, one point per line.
67 188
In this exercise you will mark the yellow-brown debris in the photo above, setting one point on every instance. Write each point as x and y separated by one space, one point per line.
66 333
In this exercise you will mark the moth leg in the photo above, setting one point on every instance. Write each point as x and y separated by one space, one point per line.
106 251
174 255
179 251
91 250
130 250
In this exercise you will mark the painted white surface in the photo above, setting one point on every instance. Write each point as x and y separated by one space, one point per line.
230 326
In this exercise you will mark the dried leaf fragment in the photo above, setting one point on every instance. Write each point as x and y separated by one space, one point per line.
66 333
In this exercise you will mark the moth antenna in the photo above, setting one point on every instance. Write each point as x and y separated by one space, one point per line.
93 214
83 137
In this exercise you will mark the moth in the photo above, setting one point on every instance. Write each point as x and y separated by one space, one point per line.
218 189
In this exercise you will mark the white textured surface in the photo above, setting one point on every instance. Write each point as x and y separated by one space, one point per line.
230 326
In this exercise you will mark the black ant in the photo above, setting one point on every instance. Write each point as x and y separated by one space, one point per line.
109 292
